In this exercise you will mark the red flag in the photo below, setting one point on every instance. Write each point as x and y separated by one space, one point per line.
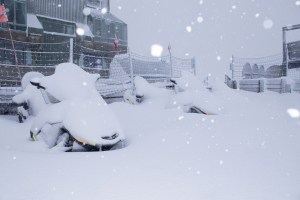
3 17
116 42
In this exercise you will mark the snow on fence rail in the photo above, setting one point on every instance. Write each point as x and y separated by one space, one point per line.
279 85
265 73
116 68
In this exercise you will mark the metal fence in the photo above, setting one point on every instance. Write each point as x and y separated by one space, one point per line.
275 66
116 68
252 68
267 73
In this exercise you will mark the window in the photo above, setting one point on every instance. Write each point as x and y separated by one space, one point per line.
97 27
56 26
20 13
104 4
16 13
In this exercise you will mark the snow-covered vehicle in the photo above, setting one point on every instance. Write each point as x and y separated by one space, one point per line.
193 96
145 91
190 95
77 118
30 101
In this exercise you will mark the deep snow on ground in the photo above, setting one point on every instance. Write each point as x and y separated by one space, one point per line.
251 152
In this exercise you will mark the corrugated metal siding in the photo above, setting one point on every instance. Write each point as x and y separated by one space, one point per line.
70 10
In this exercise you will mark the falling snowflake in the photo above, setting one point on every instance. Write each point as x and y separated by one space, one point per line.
257 15
104 10
233 7
80 31
59 5
86 11
201 2
156 50
84 83
294 113
120 7
297 3
200 19
181 118
268 24
188 29
218 57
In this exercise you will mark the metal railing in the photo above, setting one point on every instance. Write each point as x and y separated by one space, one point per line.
116 68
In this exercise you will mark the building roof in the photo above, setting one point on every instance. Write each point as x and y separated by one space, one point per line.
33 22
107 16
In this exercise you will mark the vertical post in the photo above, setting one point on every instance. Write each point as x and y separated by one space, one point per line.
71 50
285 50
282 85
131 69
171 63
261 85
15 53
194 65
232 67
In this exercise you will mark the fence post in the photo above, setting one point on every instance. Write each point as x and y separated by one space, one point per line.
235 84
71 50
131 69
282 87
285 50
261 85
171 63
232 67
194 65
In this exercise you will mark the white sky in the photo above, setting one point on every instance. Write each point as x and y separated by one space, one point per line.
228 27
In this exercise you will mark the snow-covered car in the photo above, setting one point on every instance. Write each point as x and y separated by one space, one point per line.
145 91
30 101
193 96
78 117
190 95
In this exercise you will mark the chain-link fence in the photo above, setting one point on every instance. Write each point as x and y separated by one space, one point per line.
116 68
253 68
248 73
275 66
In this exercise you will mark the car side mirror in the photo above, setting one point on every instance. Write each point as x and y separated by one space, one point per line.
173 81
36 82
